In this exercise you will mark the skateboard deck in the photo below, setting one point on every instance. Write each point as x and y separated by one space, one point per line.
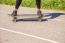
26 17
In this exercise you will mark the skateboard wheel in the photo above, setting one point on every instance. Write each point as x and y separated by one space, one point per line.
40 20
15 19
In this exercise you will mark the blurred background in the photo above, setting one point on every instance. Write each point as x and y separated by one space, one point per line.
46 4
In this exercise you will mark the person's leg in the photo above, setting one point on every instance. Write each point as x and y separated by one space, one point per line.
39 13
38 3
18 2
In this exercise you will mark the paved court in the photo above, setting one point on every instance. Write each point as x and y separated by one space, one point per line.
50 31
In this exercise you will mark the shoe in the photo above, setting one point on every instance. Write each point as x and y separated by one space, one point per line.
39 13
14 13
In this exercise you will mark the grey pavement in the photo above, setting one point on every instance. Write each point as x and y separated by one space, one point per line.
52 29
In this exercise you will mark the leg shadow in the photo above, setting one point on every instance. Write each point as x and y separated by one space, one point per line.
53 15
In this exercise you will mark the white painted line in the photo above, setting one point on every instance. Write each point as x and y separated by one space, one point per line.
28 35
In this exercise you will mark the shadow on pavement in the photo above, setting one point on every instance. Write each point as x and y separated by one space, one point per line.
54 15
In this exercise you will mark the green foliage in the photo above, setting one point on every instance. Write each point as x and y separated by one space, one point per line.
47 4
8 2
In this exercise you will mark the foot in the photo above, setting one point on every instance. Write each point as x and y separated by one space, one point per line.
14 13
39 13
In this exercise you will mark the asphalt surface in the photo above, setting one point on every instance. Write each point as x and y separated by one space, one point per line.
52 28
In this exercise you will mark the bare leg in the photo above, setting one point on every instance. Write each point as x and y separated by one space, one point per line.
18 2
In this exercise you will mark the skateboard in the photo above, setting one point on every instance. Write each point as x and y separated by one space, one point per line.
15 18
